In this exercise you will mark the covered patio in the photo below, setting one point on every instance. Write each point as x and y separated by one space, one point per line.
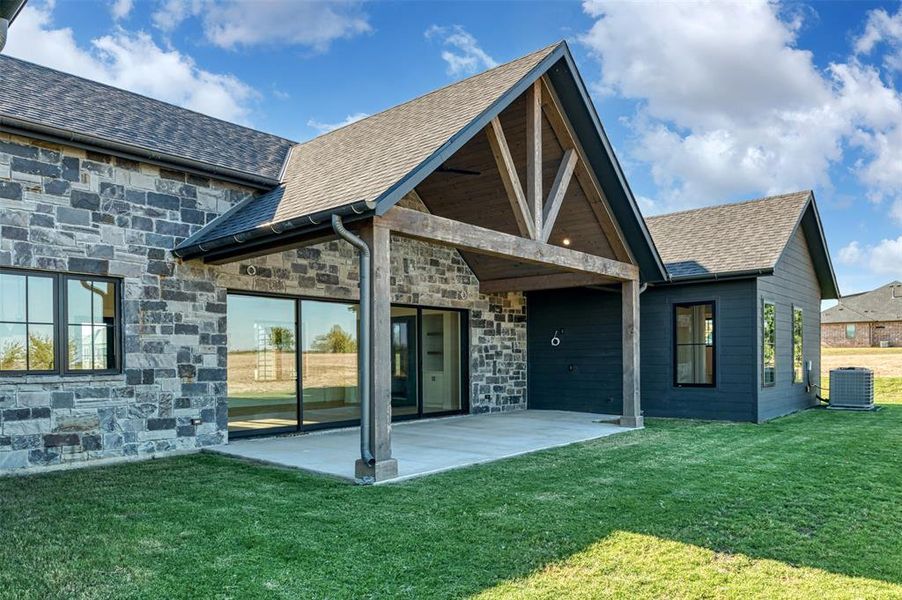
431 446
510 171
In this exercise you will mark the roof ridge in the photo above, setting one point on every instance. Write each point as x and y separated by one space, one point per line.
163 102
730 204
548 49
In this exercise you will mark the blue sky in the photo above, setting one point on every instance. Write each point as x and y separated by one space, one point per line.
704 103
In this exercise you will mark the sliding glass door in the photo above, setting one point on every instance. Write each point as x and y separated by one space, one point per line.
272 387
329 362
262 363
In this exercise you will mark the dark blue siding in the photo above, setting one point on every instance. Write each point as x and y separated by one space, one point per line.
585 372
733 397
794 283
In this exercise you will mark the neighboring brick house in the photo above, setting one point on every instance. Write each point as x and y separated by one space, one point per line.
868 319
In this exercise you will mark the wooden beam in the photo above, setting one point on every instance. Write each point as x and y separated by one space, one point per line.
557 192
508 171
551 281
565 134
632 410
379 241
534 154
489 242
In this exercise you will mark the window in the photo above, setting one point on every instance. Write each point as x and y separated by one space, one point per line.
694 344
27 333
769 344
798 375
41 314
850 331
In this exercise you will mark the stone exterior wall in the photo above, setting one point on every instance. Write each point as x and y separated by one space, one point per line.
866 335
66 210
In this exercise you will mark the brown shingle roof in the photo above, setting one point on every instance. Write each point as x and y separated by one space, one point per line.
882 304
364 160
730 238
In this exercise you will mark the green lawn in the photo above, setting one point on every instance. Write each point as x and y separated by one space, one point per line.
806 506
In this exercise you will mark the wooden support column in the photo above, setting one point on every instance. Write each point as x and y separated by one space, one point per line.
534 155
632 411
386 467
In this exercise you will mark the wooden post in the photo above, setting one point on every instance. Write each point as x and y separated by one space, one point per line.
534 155
632 411
386 467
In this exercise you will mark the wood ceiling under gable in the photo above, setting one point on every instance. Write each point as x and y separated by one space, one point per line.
483 200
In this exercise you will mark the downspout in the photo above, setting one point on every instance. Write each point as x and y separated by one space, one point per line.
363 357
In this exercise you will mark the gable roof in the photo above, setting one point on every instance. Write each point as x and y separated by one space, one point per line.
877 305
741 239
43 101
366 167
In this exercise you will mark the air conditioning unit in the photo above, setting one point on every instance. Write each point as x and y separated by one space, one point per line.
852 388
884 343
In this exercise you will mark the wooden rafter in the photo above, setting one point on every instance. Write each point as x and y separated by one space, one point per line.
507 169
534 154
563 130
480 240
557 192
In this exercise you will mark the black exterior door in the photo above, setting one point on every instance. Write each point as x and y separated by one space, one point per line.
574 351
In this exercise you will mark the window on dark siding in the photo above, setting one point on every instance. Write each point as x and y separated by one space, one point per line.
694 354
798 371
58 323
769 343
850 331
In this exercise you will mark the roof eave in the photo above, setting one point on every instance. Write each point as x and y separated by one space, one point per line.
133 152
721 276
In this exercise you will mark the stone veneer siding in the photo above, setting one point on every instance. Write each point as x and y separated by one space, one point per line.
833 335
64 209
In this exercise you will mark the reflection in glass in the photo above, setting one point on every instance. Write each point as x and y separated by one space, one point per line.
329 362
262 373
90 315
769 343
798 371
441 361
403 361
26 323
694 344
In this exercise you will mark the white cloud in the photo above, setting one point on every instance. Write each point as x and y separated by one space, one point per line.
130 60
327 127
233 23
121 9
883 28
463 54
729 105
883 258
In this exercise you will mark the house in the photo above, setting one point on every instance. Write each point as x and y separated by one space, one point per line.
866 320
170 281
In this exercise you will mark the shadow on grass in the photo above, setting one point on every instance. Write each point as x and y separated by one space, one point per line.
819 490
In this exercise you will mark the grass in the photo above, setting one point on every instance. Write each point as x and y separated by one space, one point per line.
805 506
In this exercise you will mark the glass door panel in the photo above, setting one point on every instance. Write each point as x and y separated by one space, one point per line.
329 362
404 361
262 365
441 361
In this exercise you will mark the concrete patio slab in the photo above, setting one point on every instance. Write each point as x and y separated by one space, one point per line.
431 446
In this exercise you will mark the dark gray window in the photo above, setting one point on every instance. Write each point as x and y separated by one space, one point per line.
694 350
58 323
798 374
769 343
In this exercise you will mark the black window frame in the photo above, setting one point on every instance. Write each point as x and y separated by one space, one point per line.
764 305
676 344
56 340
61 326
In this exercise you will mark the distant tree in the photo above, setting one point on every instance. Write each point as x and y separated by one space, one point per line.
282 338
336 341
12 356
40 352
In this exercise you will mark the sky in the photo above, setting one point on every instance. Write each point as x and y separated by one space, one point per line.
705 103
